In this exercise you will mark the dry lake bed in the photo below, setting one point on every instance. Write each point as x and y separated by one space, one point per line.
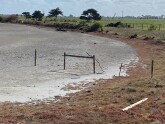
21 81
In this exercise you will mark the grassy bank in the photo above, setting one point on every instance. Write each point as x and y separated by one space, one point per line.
144 28
141 24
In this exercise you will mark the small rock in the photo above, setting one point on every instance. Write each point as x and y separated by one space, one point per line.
88 91
57 97
146 38
133 36
106 32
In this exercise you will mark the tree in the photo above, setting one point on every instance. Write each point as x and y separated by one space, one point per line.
26 15
71 16
90 14
55 12
11 18
37 15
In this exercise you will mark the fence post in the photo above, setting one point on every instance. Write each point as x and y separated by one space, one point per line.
35 58
120 69
126 25
152 69
94 64
64 60
142 27
159 26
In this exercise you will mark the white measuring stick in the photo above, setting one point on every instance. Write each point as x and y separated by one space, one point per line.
135 104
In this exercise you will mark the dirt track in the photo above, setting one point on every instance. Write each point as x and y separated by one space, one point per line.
21 81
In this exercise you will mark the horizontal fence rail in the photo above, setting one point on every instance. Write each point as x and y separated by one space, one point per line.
88 57
77 56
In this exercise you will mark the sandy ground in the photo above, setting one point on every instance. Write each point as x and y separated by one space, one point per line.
22 82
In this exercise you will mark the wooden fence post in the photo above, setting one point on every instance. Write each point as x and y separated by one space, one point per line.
126 25
142 26
159 26
64 60
120 69
35 58
94 64
152 69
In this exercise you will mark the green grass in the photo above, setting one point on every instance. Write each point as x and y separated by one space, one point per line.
141 24
138 26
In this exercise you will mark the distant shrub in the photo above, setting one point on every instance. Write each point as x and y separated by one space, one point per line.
152 27
82 23
133 36
96 27
124 25
37 23
40 19
85 28
74 20
65 25
1 18
11 18
118 24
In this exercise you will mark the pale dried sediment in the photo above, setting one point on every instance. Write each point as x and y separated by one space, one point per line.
21 81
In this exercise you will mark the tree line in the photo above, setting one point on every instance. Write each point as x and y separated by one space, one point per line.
88 15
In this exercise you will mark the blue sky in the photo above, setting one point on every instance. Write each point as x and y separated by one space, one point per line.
75 7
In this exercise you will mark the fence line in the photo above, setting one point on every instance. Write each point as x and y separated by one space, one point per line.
76 56
145 26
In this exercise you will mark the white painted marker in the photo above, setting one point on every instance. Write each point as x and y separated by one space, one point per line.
135 104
